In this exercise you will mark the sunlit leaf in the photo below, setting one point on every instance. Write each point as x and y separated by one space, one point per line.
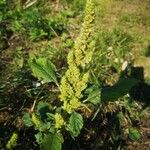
44 70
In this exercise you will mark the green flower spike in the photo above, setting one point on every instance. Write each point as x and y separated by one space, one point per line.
76 77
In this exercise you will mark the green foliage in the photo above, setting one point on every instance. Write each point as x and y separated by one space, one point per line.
133 108
77 5
42 109
134 134
52 142
44 70
112 48
27 120
37 26
34 23
39 137
2 2
75 124
94 95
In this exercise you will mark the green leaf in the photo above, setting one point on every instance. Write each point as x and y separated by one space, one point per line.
94 95
27 120
44 70
134 134
50 116
52 142
75 124
39 137
43 108
121 88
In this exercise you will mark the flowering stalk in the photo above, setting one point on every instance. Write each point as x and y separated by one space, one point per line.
59 121
76 77
36 121
12 143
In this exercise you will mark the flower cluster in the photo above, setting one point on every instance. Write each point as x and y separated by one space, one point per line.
59 121
76 77
36 120
12 142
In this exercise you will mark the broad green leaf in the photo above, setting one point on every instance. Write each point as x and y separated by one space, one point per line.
121 88
27 120
43 108
75 124
94 95
43 69
52 142
134 134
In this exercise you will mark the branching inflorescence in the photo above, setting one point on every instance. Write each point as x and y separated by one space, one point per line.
76 77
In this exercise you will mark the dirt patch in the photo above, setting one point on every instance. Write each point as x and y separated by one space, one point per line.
144 142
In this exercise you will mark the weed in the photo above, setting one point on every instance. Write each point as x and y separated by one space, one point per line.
67 107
